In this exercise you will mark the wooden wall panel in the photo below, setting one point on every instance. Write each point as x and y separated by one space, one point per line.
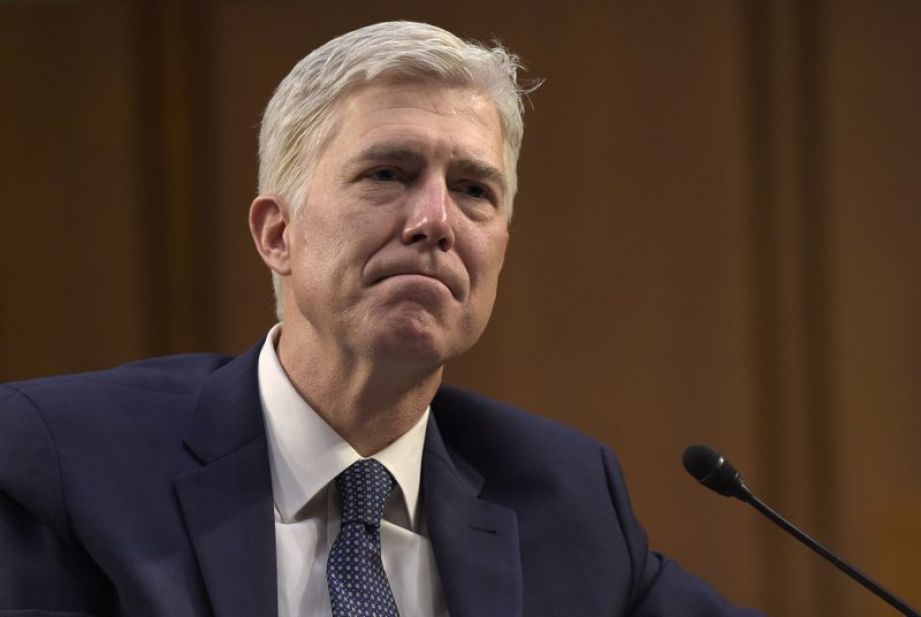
874 133
71 229
786 208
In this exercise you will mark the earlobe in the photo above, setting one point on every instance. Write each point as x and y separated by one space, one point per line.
268 223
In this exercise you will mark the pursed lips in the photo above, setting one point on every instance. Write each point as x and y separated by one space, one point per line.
445 278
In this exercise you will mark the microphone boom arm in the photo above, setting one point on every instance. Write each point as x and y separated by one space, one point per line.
838 562
716 473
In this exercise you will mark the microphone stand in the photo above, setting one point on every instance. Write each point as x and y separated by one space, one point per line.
838 562
716 473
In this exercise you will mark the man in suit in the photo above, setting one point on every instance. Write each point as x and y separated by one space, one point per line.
327 471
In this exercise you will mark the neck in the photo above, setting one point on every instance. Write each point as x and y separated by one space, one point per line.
368 403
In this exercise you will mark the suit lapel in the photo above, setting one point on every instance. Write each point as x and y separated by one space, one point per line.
227 505
475 542
227 502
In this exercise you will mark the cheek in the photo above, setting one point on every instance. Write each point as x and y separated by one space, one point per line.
493 251
319 241
488 259
332 256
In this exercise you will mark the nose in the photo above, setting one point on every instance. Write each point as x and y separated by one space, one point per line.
428 220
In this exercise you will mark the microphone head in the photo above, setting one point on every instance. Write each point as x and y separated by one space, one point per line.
713 471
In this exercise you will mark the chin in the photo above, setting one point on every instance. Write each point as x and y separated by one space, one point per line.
409 346
416 344
420 337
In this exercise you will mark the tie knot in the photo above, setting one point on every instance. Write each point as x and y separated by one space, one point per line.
363 490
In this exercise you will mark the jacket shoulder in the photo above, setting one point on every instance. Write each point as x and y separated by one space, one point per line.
178 373
493 434
456 409
48 426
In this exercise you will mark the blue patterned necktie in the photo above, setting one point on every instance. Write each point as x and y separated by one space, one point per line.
358 586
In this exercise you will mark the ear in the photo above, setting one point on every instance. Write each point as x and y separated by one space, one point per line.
268 224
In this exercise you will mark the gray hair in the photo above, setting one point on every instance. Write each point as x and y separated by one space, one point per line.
300 117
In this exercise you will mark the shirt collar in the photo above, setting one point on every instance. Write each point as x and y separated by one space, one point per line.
306 454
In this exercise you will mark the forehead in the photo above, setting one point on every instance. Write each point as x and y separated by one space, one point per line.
451 121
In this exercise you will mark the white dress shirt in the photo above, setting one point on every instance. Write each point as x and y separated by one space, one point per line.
306 455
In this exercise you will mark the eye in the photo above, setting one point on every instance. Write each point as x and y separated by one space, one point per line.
476 191
384 174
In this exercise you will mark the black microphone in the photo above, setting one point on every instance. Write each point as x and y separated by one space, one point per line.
713 471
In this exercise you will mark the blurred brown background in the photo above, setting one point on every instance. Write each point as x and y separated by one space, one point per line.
716 240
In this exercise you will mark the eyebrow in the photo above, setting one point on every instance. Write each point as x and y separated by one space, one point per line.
392 152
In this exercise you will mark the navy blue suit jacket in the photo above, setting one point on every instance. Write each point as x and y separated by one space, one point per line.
145 490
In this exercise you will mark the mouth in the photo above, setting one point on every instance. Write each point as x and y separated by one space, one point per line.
417 278
426 274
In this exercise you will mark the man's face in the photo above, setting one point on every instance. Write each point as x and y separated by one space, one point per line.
397 250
